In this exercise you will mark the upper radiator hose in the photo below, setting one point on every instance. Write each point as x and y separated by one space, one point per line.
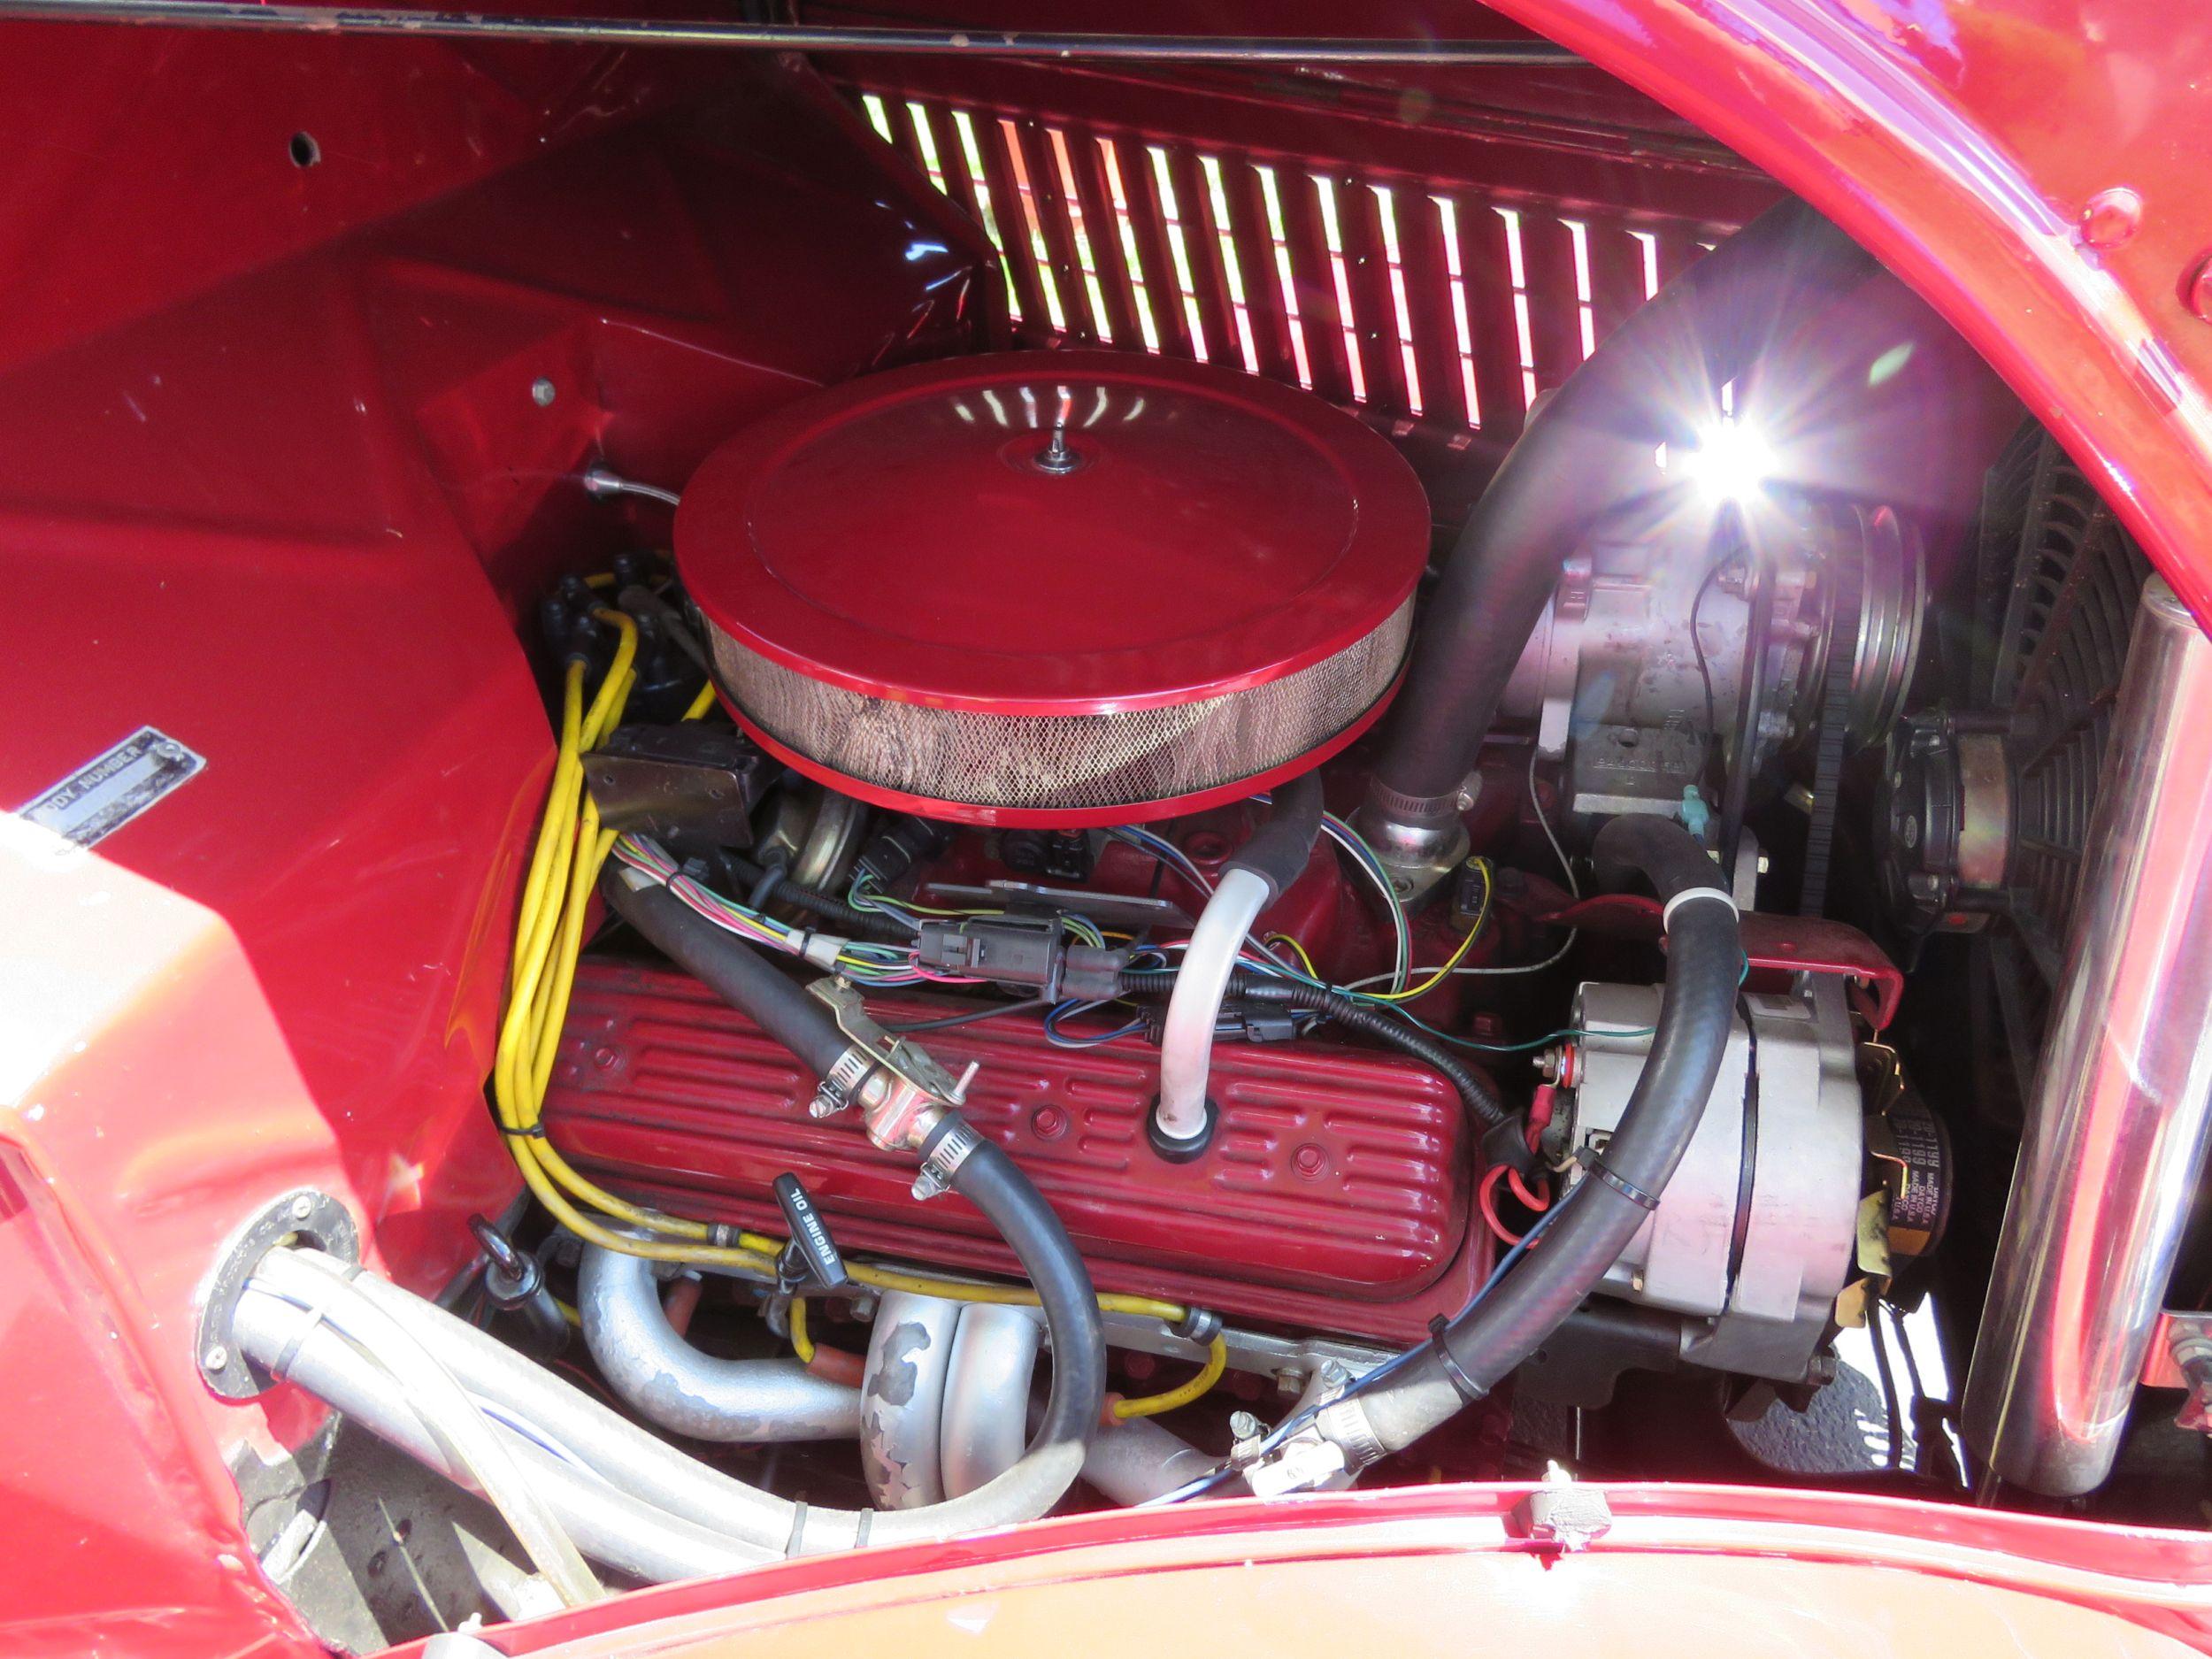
1586 453
1601 1216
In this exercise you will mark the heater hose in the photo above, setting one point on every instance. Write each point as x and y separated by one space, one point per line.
732 970
1251 881
1621 1187
987 1178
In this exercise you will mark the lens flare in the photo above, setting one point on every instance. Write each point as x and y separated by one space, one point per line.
1732 462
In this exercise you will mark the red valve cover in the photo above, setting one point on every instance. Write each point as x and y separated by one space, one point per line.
1335 1196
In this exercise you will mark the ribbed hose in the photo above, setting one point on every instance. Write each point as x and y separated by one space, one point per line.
1587 454
1599 1218
988 1180
732 970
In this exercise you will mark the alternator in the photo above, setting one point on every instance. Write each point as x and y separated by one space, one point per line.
1754 1239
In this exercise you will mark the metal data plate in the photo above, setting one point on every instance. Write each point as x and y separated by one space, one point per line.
108 791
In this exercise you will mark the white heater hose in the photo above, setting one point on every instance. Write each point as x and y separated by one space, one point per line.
1186 1047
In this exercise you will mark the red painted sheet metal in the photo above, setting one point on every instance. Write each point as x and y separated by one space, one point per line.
1680 1569
1428 276
116 1541
288 518
899 535
1336 1194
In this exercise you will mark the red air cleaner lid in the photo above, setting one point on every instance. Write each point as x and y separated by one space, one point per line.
1037 548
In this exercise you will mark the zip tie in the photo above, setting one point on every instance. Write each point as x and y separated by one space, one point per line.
1466 1387
1666 916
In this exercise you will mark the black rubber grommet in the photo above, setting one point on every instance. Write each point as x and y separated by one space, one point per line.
1180 1151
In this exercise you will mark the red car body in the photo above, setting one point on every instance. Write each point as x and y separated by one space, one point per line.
271 303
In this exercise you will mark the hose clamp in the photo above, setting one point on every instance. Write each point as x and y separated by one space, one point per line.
841 1085
901 1092
949 1146
1627 1189
1666 916
1345 1425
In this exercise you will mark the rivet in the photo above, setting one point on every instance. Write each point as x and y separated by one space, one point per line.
2111 216
542 392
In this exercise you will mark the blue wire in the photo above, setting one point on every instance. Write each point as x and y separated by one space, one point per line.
1293 1424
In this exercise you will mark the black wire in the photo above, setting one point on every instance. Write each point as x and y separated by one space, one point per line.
1704 668
972 1016
1890 1405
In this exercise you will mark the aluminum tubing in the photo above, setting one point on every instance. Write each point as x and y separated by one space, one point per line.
670 1382
611 1526
2117 1116
610 1443
902 1398
985 1421
1136 1461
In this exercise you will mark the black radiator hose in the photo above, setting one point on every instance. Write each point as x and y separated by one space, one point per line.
852 923
1587 454
1601 1216
985 1176
740 975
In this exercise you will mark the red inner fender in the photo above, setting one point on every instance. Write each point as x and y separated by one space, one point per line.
1335 1194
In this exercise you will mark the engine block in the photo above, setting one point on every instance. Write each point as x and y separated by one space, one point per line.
1335 1197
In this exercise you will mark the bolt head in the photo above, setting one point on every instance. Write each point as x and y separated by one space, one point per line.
542 392
216 1358
303 1207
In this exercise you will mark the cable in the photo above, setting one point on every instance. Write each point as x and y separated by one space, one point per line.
1153 1405
972 1017
1475 1091
1697 644
1294 1423
1451 965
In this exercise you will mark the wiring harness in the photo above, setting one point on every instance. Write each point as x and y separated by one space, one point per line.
570 850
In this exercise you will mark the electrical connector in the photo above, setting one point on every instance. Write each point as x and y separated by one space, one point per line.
1035 954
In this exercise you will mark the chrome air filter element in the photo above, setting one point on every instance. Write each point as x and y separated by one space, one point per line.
1064 588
